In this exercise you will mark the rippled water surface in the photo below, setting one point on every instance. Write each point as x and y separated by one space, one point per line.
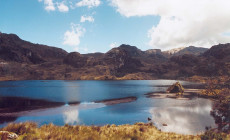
73 102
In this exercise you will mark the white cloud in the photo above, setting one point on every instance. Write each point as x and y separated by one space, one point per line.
62 7
113 45
182 22
87 18
72 37
49 5
71 5
88 3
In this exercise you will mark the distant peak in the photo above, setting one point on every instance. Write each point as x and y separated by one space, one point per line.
186 50
175 50
126 46
153 51
10 36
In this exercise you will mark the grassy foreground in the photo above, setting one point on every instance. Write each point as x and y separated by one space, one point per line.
138 131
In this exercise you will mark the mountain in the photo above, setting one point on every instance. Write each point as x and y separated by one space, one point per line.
153 52
22 60
186 50
174 51
213 62
221 51
12 48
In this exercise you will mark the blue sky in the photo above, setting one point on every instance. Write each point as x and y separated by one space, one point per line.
98 25
30 21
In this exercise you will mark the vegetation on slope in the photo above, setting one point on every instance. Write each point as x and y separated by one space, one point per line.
218 88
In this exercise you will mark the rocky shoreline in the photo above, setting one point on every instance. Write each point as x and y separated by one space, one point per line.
188 94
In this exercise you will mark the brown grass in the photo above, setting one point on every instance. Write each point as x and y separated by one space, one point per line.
138 131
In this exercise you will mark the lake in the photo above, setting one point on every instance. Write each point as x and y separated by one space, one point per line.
82 102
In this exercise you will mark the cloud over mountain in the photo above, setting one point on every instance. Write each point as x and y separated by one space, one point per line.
72 37
182 22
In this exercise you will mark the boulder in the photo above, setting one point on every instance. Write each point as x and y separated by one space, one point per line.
164 124
176 88
4 135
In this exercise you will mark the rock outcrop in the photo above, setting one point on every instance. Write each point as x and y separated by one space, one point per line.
176 88
75 59
5 135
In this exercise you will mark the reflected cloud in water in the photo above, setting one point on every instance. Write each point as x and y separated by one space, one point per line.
182 116
184 119
67 114
71 117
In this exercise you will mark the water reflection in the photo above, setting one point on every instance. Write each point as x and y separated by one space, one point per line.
65 114
72 102
81 91
71 117
184 119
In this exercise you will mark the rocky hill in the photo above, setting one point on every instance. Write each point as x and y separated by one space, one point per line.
22 60
12 48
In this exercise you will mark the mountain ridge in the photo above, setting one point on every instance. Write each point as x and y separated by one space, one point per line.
22 60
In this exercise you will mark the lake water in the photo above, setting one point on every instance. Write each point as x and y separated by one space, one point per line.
79 107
